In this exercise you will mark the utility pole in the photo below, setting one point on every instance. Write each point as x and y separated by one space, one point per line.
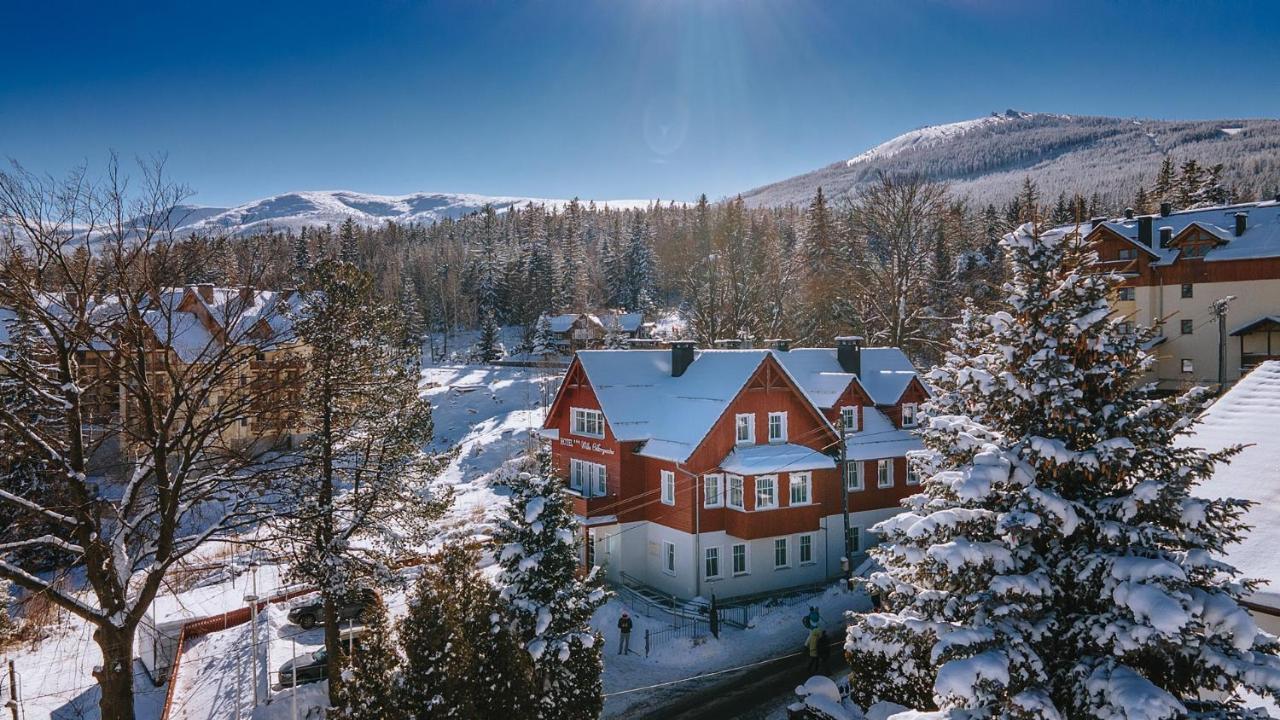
846 563
1219 309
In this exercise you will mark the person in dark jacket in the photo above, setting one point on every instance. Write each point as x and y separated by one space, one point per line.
624 634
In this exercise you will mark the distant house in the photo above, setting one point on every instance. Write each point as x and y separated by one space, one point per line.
631 326
1245 415
1177 264
702 472
575 331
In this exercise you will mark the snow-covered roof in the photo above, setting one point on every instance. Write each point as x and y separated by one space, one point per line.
778 457
642 401
1261 236
879 438
1255 324
1246 414
564 322
626 322
886 372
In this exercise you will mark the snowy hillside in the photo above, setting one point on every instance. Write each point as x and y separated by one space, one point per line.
316 208
986 158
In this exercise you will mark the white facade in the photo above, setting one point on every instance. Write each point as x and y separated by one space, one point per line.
678 563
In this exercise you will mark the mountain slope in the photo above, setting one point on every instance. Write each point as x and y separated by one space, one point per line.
986 158
296 210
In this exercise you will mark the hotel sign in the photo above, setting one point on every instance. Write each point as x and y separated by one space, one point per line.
594 447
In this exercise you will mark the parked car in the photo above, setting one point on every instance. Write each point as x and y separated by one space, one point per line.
309 613
314 666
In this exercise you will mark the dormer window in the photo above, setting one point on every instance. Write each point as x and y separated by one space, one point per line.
746 429
909 415
1128 254
849 419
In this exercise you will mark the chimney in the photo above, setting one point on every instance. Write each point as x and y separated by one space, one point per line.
1095 222
729 343
1166 208
1242 221
849 353
1166 236
681 356
1128 213
1144 230
246 294
781 344
206 291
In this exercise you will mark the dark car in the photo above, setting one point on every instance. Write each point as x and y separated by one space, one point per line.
314 666
308 614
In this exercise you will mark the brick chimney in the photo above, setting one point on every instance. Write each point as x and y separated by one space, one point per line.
849 353
1128 213
681 356
781 344
206 291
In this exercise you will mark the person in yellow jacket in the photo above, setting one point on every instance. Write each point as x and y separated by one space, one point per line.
814 645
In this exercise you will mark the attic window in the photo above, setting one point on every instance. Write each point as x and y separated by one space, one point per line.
746 428
777 427
1128 254
909 415
588 422
849 419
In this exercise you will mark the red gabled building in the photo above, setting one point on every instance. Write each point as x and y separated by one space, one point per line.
716 471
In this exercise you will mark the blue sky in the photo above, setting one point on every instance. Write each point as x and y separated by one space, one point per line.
610 99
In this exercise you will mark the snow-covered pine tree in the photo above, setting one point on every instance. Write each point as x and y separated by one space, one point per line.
371 687
1190 183
301 256
614 338
489 343
544 341
572 295
412 322
461 660
640 265
1056 564
8 625
348 242
537 545
1142 201
1166 182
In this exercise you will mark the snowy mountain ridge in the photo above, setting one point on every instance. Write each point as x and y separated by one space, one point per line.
315 208
985 159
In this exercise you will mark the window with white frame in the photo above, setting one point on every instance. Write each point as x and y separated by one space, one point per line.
849 419
668 487
913 473
711 562
736 492
853 476
669 558
884 473
746 428
780 559
588 422
766 492
806 549
587 478
713 491
777 427
800 485
740 559
909 414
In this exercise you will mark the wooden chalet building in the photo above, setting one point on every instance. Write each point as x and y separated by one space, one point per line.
1177 264
702 472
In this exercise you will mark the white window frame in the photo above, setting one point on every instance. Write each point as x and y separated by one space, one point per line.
910 414
713 490
667 480
800 480
770 482
849 418
884 473
785 546
800 548
913 475
858 482
709 555
738 483
781 417
668 557
588 479
580 425
750 427
746 559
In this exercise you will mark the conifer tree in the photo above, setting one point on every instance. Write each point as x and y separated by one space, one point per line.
348 247
489 344
1029 202
822 274
1142 201
551 605
640 266
1190 183
1056 564
8 626
301 257
544 341
371 685
1166 183
572 295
